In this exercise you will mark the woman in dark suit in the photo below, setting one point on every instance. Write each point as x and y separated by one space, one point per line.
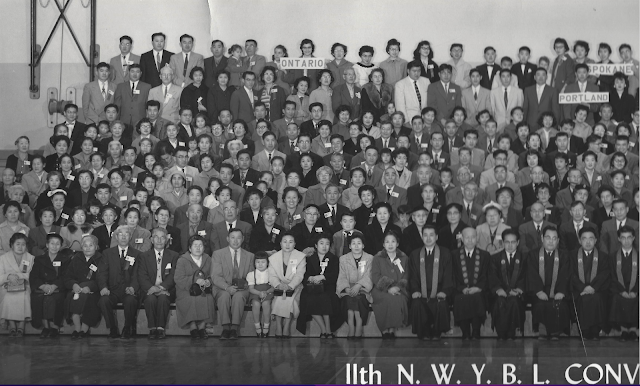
429 69
219 96
450 236
271 94
195 94
374 232
365 213
20 161
376 95
267 235
47 287
622 103
38 235
62 145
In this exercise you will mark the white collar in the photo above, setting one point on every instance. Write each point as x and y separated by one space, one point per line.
467 252
125 249
126 57
155 53
233 224
247 90
233 251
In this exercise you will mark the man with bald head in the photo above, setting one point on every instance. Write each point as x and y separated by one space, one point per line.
470 275
531 231
220 231
195 225
168 94
347 93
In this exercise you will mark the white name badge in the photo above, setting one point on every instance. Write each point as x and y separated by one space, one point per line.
392 148
372 215
23 211
319 229
472 175
93 268
64 216
458 236
110 92
362 264
604 145
71 177
424 145
357 95
324 264
134 180
343 182
249 183
27 162
328 145
139 241
586 218
25 262
23 232
189 179
441 160
599 178
199 99
275 231
130 259
394 194
222 146
296 217
327 215
56 264
245 146
397 262
296 148
78 166
123 198
252 63
430 66
169 96
255 98
632 144
474 217
168 266
136 92
452 90
435 211
547 211
100 175
202 233
626 177
553 178
180 143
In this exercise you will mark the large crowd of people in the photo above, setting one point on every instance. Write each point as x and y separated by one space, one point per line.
403 188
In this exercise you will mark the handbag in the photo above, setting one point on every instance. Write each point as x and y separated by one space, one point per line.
314 288
241 284
278 292
196 289
19 286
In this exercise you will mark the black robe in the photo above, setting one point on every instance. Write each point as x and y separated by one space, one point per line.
624 312
447 239
466 307
362 216
263 241
590 308
49 307
508 313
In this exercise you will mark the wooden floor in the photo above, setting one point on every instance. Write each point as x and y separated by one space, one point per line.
178 360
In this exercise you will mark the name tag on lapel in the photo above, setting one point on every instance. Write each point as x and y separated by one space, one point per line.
56 264
395 194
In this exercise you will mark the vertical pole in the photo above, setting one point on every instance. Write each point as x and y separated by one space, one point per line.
32 85
92 45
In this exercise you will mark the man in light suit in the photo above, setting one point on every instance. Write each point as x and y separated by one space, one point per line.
411 92
540 98
444 95
609 242
262 160
151 62
253 62
505 63
220 230
505 98
489 69
524 70
476 98
120 64
131 96
168 94
390 193
531 232
500 173
581 85
97 94
229 269
348 94
214 64
183 62
243 99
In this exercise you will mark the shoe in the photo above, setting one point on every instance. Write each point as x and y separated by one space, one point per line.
82 335
435 338
392 335
160 334
19 333
323 336
259 334
233 335
475 336
45 333
75 335
542 337
385 335
54 333
330 335
194 335
554 338
126 333
226 333
632 336
351 337
425 338
114 334
12 333
152 335
203 334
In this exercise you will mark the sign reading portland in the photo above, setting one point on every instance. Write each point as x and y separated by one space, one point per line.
586 97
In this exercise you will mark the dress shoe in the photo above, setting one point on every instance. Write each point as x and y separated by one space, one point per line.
203 334
194 334
160 334
435 337
82 335
153 334
114 334
126 333
554 338
74 335
45 333
233 334
425 338
226 333
632 336
54 333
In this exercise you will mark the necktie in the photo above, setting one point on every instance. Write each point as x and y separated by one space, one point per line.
446 88
333 213
165 91
469 255
578 230
490 146
124 65
158 61
619 224
122 254
469 211
159 269
415 84
388 194
506 98
292 146
386 144
242 178
269 157
369 174
186 63
509 256
230 226
133 87
626 255
475 95
104 93
192 230
235 264
538 230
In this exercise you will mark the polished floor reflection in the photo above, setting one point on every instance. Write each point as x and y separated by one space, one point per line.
300 360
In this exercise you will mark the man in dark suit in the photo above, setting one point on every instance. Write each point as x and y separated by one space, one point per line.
489 69
569 239
118 283
231 264
452 140
531 231
151 62
214 64
444 95
610 242
75 128
220 230
331 212
441 159
312 125
524 70
243 98
347 94
195 225
303 144
81 197
156 268
540 98
387 139
131 97
529 191
181 214
245 176
562 144
337 143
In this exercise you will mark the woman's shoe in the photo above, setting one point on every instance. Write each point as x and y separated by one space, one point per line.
330 335
12 333
202 334
194 334
75 335
45 333
278 336
54 333
19 333
323 336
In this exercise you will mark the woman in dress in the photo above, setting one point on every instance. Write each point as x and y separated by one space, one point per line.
47 287
291 214
194 95
429 68
15 292
80 279
271 94
293 180
61 144
318 300
365 213
450 236
379 226
321 145
286 272
194 267
103 233
376 94
365 66
267 235
389 276
73 233
34 182
354 285
308 177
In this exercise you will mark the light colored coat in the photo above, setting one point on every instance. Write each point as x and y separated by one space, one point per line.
484 238
222 268
177 64
473 106
406 99
260 161
350 274
170 105
502 113
6 232
15 305
93 103
118 74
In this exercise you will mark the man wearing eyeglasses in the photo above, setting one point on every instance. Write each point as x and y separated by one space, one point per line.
181 159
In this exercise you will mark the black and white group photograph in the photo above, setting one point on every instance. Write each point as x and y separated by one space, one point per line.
320 192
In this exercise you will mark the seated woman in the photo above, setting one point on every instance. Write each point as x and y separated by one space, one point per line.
581 193
490 232
321 145
389 276
80 280
194 267
306 172
618 161
286 272
211 201
318 300
11 225
511 217
551 213
450 236
365 213
15 292
61 145
232 148
38 235
53 181
369 124
352 142
374 232
120 193
162 216
20 161
34 181
291 214
68 174
266 235
354 285
47 287
73 233
294 178
140 237
271 93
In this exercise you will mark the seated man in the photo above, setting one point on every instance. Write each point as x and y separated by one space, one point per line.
231 264
118 282
245 176
156 269
331 212
624 285
391 193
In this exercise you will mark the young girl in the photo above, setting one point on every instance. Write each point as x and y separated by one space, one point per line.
482 117
202 127
211 201
91 131
404 216
235 66
385 159
20 162
37 236
354 285
261 293
104 131
192 147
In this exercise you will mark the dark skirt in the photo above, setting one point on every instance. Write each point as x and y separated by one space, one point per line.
325 303
86 305
554 314
358 303
507 315
392 311
467 307
591 311
49 307
429 317
260 287
624 312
